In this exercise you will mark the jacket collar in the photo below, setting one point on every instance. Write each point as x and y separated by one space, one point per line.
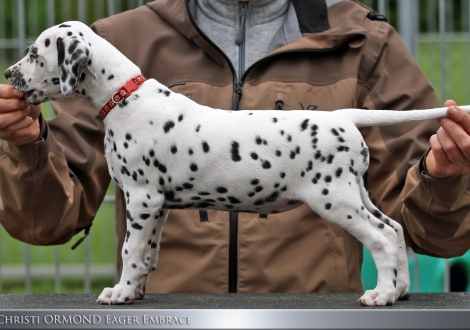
321 23
312 15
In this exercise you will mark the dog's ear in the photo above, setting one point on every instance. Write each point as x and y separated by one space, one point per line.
72 58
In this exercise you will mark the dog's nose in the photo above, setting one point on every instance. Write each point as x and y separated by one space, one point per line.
8 73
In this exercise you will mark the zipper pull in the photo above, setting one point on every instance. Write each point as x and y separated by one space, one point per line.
279 105
87 231
241 29
238 91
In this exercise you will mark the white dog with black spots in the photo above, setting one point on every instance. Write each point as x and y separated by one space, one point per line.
167 152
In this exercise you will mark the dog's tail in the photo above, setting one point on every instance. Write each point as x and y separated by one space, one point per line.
363 118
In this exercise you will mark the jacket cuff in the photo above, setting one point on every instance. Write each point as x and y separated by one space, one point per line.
445 190
30 154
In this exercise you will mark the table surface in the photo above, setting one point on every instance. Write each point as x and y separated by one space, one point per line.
234 301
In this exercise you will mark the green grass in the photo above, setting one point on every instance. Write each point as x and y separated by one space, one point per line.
102 238
457 69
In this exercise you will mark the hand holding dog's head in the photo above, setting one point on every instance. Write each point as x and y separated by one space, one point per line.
55 64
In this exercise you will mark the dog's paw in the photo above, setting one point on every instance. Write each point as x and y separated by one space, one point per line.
116 296
403 290
377 298
405 295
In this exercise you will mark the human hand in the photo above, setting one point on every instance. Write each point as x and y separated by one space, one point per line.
18 120
450 146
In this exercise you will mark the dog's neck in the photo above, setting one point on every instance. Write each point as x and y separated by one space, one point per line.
107 73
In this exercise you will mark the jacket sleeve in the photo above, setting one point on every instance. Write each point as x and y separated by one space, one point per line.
52 188
434 212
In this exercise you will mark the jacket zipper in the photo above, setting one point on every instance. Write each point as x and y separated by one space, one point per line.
233 216
241 42
238 91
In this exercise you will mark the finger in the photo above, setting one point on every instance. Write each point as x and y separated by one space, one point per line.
439 160
25 135
450 103
456 132
459 116
12 104
8 92
11 118
451 148
23 123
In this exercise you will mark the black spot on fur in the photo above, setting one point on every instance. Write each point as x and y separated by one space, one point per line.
166 92
328 206
233 200
377 214
235 151
135 225
205 146
173 149
254 182
304 125
381 225
110 77
221 190
168 126
193 167
338 172
273 197
254 155
266 164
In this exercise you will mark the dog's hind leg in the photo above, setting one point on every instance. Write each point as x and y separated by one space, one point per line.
142 217
342 205
152 259
403 277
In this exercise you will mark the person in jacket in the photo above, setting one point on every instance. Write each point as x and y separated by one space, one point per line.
227 54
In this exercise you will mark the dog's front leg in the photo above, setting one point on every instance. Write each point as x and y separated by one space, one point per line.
151 261
142 225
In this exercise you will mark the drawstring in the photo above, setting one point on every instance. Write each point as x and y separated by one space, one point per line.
87 231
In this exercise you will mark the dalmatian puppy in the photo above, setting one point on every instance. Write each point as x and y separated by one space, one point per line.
175 154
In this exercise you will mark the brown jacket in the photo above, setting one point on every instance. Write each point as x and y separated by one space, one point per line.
51 189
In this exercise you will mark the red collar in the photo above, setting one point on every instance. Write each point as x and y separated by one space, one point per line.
124 92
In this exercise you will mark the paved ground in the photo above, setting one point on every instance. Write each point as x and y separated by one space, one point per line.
233 301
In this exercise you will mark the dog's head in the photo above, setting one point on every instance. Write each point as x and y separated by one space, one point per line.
55 64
